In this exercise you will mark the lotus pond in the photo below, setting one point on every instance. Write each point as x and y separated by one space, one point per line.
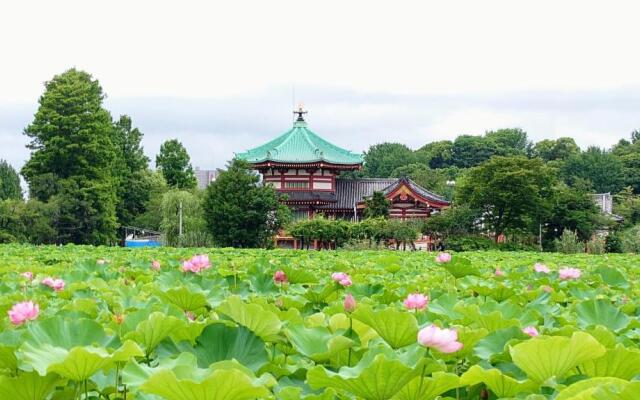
113 323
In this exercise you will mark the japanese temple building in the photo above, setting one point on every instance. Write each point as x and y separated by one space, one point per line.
306 168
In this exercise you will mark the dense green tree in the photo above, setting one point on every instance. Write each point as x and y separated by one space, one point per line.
454 221
130 170
9 182
383 158
627 205
508 142
572 209
559 149
436 154
469 151
174 162
32 221
72 158
241 213
510 191
601 168
377 206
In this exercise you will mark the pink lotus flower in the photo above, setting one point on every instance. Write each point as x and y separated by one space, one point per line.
443 340
280 277
196 263
541 268
118 319
569 273
55 284
416 301
27 275
443 258
531 331
190 315
338 276
346 281
155 265
349 303
498 272
22 312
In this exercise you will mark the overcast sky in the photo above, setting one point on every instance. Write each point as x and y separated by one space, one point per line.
219 75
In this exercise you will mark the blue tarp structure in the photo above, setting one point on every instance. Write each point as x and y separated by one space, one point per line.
141 243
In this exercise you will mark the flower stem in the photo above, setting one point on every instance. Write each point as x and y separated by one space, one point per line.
350 330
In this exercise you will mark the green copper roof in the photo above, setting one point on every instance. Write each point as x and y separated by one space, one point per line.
300 145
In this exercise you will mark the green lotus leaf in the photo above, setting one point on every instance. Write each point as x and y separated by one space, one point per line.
612 277
9 341
185 299
262 322
377 378
317 343
499 383
296 393
583 390
601 312
299 275
397 328
155 329
491 321
623 391
181 379
545 357
619 362
220 342
365 332
66 333
27 386
460 267
494 344
429 387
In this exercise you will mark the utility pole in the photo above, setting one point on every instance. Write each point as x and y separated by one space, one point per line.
180 220
540 235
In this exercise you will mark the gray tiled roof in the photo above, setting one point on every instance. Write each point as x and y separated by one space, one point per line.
353 191
296 195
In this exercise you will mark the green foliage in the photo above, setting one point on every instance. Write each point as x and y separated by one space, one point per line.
377 206
193 223
569 243
600 168
630 240
381 159
72 159
130 171
9 182
436 154
509 191
570 209
554 150
457 220
241 213
123 323
174 163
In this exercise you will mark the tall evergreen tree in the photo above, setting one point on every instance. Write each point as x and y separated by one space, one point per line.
377 206
239 212
72 158
130 171
174 163
9 182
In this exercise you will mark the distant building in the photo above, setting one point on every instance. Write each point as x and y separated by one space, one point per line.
206 176
604 201
304 169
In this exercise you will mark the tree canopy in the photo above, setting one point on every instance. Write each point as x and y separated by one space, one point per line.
175 164
510 191
72 159
9 182
240 212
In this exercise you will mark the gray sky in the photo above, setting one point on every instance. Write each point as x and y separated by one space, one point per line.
219 75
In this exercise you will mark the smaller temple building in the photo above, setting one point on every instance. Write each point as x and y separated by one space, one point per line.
305 170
